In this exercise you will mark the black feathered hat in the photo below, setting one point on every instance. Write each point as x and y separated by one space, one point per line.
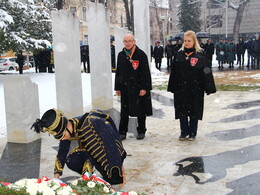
53 121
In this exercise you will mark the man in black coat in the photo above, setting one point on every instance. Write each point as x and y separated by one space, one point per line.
169 53
256 48
133 84
176 47
250 52
84 53
158 55
209 51
241 48
20 61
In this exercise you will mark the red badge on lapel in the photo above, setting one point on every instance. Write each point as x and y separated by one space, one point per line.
193 61
135 64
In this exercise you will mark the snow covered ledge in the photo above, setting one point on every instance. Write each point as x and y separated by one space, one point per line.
21 107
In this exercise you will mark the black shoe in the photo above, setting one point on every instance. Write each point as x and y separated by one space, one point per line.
191 138
140 136
182 137
122 137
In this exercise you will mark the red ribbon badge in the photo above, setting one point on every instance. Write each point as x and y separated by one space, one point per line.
193 61
135 64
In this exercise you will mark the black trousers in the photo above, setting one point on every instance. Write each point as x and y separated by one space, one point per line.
189 126
124 120
158 62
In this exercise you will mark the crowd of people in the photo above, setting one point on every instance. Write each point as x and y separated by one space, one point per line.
227 52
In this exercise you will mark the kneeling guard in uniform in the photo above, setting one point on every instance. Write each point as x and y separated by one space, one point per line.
99 144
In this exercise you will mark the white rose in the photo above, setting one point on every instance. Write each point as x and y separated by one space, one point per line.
32 190
30 182
91 184
106 189
132 193
21 182
63 192
48 191
42 186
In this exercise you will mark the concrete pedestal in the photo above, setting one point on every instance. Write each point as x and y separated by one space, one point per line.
21 107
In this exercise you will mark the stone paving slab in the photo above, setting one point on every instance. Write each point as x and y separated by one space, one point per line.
224 159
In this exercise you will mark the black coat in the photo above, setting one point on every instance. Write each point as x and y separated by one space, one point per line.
130 81
158 52
188 83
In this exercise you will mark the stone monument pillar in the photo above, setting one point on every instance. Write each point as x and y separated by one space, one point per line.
119 36
100 58
142 26
21 107
66 46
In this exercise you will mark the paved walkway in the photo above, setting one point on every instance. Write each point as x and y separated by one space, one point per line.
224 159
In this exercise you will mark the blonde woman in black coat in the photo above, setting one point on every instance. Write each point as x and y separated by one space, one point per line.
190 78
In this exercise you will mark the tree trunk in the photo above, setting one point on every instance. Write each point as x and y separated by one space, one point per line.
132 16
128 15
238 19
60 4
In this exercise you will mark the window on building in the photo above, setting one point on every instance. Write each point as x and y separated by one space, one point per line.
85 40
214 4
214 21
84 13
73 10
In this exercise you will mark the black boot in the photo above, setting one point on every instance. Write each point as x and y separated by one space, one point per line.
141 133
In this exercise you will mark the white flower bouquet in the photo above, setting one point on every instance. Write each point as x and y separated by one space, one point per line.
88 184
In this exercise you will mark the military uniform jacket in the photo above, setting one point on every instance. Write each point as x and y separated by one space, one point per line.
189 79
97 136
130 80
220 51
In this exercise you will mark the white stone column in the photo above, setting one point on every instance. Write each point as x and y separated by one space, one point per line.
119 36
142 26
65 29
100 57
21 107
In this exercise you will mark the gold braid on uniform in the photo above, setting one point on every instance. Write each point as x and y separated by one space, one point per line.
58 166
92 142
87 167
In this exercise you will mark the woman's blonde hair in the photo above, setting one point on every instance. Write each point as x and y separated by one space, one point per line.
192 34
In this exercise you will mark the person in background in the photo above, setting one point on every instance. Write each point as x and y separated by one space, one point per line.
190 78
202 45
84 53
169 53
176 47
133 83
209 51
158 55
113 56
231 55
99 144
241 48
256 48
151 53
20 61
250 50
51 66
220 52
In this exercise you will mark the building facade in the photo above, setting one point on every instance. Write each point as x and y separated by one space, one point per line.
116 12
218 18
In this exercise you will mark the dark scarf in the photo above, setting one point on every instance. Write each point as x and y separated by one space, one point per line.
189 50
